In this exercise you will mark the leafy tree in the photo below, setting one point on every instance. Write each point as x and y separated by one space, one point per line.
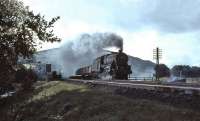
195 71
163 70
21 31
181 70
186 71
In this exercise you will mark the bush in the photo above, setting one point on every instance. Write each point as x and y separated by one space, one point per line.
56 76
26 77
162 70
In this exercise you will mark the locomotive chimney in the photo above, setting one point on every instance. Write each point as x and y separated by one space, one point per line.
120 50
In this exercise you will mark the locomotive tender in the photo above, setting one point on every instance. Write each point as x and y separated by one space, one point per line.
107 67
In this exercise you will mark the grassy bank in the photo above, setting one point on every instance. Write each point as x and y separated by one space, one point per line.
61 101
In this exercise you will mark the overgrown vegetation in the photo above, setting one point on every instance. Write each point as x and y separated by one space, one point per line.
25 77
60 101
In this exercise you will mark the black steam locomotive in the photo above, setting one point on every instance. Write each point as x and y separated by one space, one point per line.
107 67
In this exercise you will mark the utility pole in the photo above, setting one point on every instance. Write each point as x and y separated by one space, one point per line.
157 55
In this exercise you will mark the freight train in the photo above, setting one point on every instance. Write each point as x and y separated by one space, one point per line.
107 67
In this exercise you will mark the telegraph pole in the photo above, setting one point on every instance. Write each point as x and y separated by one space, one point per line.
157 55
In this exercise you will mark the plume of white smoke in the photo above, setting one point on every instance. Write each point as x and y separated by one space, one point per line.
82 51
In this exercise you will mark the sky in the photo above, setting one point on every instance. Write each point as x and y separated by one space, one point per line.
172 25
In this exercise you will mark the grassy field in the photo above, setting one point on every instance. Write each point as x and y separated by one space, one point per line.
61 101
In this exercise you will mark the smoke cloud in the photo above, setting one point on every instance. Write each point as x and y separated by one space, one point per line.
172 20
82 51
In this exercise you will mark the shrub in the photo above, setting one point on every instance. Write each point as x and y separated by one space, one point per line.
26 77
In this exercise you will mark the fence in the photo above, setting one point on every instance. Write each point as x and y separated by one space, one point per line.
193 80
141 78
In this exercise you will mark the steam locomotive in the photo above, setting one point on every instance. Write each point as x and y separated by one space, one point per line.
107 67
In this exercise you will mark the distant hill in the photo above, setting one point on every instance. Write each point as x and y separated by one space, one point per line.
140 68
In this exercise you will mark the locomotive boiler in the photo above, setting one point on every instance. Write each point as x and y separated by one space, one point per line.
107 67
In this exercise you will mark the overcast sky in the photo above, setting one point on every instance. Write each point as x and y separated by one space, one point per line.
173 25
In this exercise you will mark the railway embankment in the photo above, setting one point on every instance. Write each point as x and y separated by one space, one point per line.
177 95
67 101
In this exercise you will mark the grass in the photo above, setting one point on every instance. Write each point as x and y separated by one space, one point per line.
61 101
52 88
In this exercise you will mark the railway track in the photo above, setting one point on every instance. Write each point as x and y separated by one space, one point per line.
166 87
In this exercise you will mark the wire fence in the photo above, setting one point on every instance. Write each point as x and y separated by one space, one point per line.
141 78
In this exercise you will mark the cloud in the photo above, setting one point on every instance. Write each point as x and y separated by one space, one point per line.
180 48
176 15
165 15
144 24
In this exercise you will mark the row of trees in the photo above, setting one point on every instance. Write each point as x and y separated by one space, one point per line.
21 31
186 71
178 70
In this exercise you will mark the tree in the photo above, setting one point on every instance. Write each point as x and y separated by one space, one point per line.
186 71
162 70
195 71
20 32
181 70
